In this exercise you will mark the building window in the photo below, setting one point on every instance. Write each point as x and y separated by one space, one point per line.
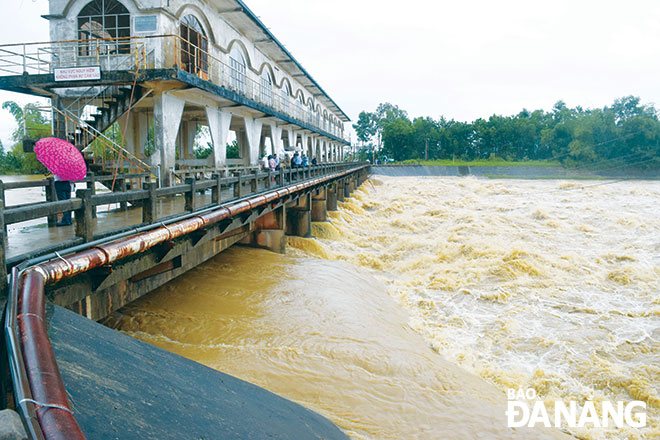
107 23
237 70
266 89
194 47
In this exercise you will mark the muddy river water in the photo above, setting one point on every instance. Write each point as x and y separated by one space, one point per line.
424 299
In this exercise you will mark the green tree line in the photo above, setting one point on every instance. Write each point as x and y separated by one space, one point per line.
626 132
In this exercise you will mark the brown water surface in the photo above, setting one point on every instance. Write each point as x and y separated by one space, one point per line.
426 298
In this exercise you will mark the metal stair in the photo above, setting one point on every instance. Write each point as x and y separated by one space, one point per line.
83 122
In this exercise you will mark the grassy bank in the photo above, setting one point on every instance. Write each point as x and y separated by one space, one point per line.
483 163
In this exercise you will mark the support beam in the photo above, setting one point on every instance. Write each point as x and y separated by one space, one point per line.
267 232
276 138
319 206
219 123
291 136
127 124
299 217
167 118
253 135
331 197
340 191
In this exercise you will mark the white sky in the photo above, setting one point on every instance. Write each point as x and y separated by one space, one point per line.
461 59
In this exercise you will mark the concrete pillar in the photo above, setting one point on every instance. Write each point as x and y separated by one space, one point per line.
340 190
253 135
128 125
168 110
263 148
276 138
219 123
347 187
291 137
319 206
267 232
299 217
319 150
142 134
188 139
304 138
331 197
311 146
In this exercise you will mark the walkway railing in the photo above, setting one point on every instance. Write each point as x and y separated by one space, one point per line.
162 51
224 186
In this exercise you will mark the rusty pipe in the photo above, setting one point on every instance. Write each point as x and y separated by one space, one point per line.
52 406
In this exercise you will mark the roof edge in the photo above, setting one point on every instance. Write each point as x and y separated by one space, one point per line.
259 23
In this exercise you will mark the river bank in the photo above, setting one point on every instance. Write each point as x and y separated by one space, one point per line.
515 172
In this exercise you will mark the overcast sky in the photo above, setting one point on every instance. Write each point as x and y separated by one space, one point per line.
461 59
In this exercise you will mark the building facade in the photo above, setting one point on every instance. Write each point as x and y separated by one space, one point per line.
176 74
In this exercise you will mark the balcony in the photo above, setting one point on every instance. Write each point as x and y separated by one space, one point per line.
158 52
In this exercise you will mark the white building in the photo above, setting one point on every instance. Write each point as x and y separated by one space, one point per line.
176 65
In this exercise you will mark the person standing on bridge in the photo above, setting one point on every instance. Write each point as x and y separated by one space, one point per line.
272 163
63 190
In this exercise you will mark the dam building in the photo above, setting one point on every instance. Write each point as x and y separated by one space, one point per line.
163 69
137 86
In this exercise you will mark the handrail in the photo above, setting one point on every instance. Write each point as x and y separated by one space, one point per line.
203 63
86 203
42 397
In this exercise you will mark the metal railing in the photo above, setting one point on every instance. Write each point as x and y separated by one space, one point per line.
162 51
45 57
224 186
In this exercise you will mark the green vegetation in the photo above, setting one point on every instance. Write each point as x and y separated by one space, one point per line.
483 163
625 133
31 124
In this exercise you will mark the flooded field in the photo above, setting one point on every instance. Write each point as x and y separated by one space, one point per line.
425 299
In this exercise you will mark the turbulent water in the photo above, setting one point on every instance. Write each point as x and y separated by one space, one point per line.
424 299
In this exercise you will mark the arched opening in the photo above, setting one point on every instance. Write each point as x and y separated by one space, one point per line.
286 96
266 88
237 69
107 23
310 112
194 47
300 113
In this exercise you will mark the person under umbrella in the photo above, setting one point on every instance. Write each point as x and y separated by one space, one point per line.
66 163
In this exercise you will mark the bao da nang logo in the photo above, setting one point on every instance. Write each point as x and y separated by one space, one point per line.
520 412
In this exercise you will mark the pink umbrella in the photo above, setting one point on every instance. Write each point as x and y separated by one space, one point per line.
61 158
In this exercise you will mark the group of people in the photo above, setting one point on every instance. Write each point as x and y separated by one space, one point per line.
272 161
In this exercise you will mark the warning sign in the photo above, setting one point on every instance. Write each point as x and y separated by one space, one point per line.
78 73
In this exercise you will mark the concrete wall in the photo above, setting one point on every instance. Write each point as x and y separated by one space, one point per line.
522 172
